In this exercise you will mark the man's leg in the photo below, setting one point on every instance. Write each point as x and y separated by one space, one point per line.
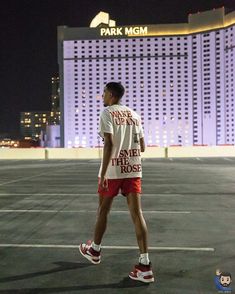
91 250
143 271
134 204
105 204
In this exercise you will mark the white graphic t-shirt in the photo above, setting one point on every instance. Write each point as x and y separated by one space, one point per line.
125 125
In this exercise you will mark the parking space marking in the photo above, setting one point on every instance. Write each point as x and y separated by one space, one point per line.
85 194
228 159
88 211
22 179
55 246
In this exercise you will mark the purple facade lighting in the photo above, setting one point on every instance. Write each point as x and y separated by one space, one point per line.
181 85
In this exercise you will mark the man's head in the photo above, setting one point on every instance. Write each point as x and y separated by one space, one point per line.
225 279
113 93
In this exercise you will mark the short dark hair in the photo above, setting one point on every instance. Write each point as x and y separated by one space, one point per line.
116 89
225 274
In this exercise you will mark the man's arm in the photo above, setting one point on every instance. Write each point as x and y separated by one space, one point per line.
142 144
107 152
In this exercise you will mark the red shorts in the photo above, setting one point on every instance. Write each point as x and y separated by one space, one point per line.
128 185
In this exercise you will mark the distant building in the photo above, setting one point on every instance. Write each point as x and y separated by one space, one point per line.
8 143
51 137
179 77
33 123
55 101
44 125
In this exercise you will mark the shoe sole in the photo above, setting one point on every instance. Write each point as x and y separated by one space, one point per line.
142 280
88 257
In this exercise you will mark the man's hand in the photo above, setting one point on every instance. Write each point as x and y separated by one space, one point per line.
104 183
107 152
142 145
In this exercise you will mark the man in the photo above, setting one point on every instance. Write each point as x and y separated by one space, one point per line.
121 129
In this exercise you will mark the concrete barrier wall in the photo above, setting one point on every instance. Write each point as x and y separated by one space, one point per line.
22 153
73 153
153 152
202 151
96 153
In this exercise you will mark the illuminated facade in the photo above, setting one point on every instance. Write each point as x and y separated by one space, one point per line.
33 123
178 77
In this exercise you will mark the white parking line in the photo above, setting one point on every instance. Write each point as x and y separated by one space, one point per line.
106 247
89 211
163 248
228 159
199 159
22 179
85 195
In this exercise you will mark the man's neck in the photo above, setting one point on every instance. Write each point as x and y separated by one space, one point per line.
115 103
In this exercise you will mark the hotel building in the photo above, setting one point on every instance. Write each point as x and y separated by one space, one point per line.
178 77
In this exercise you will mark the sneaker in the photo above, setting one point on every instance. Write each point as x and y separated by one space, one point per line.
89 253
142 273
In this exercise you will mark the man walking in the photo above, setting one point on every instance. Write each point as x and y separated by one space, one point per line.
121 129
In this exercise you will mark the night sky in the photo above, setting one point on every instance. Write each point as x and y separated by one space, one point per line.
28 48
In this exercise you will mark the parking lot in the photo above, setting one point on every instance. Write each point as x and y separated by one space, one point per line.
48 207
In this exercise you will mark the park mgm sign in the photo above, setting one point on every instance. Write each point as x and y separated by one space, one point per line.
196 24
124 31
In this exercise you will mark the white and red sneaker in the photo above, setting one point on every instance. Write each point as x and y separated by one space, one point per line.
142 273
89 253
